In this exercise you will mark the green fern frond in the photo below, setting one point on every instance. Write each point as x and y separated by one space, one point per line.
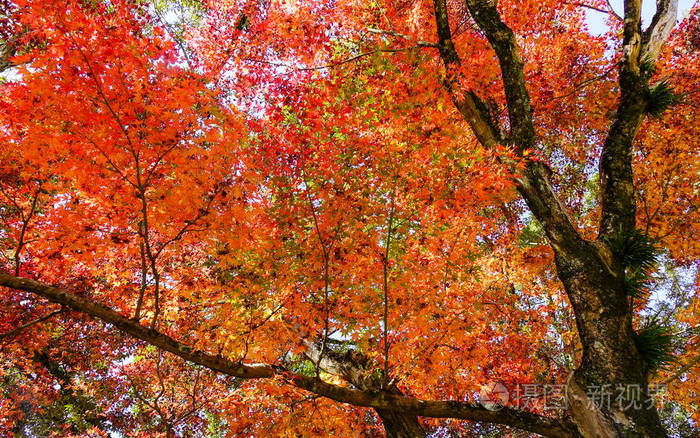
647 66
637 282
655 344
639 255
660 98
635 249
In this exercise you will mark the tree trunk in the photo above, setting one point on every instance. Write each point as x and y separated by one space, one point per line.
399 425
608 394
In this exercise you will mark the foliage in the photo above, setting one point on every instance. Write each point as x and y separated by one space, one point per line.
639 255
635 249
661 98
655 345
250 178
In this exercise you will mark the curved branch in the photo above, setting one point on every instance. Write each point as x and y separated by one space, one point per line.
380 400
136 330
470 106
502 39
533 184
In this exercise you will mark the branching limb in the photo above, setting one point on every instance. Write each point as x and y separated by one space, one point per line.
533 184
469 104
617 191
25 224
381 401
502 39
609 11
660 28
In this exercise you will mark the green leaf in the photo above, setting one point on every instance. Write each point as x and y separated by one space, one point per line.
655 344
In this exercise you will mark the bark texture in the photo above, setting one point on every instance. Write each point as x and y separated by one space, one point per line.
593 278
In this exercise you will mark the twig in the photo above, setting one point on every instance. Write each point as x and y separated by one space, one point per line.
694 361
609 11
587 82
400 35
385 270
14 332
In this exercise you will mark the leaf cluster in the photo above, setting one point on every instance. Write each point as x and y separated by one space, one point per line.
655 344
660 98
639 255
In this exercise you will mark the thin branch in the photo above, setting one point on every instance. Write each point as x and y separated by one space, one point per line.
106 157
344 61
682 370
612 11
400 35
383 400
25 223
609 11
16 331
98 86
326 263
142 286
14 202
385 272
587 82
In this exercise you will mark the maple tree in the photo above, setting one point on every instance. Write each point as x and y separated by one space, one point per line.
346 218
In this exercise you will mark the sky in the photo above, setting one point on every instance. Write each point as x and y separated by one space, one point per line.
596 20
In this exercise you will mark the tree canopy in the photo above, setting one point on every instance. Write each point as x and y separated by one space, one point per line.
348 218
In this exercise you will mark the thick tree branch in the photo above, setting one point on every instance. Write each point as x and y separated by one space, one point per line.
660 28
134 329
381 401
350 365
445 409
355 368
502 39
638 49
533 184
469 105
617 190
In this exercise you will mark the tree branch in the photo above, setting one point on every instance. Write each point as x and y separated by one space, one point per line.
383 400
502 39
533 184
660 28
350 366
683 369
134 329
14 332
8 49
616 178
609 11
469 105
